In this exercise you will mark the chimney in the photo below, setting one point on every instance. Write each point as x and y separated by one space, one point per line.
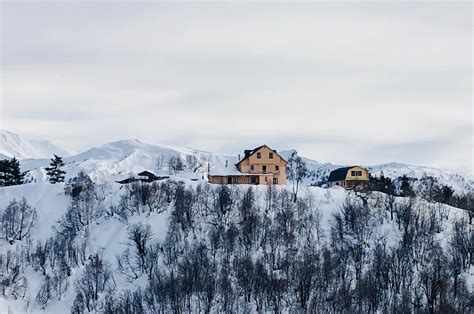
239 157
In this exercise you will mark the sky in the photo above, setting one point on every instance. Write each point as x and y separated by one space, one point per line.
347 82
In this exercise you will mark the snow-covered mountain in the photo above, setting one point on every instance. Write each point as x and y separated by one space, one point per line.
119 159
109 233
14 145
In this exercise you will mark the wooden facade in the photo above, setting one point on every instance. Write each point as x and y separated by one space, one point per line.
261 165
234 179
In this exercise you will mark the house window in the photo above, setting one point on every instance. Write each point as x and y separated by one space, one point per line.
253 180
252 167
259 155
264 168
270 155
275 180
277 167
356 173
229 180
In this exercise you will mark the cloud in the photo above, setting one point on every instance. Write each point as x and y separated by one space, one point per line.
391 81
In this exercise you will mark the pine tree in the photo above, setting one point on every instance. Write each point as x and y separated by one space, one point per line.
10 173
4 171
54 171
405 187
17 177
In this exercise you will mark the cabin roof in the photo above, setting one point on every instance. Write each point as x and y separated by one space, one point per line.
339 174
250 152
147 174
144 176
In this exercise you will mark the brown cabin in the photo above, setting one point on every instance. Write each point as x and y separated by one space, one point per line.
261 165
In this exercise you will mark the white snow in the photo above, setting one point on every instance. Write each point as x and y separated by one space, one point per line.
14 145
118 160
48 199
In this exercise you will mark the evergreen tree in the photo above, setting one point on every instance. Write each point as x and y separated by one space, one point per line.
10 173
382 184
4 171
387 185
17 177
405 187
444 194
54 171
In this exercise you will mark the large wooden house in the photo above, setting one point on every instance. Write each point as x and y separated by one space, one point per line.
261 165
354 177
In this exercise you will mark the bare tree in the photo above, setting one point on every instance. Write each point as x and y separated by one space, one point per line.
193 163
140 235
296 171
96 278
13 283
17 220
175 164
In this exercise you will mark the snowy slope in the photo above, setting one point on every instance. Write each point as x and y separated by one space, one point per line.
110 235
14 145
48 199
120 159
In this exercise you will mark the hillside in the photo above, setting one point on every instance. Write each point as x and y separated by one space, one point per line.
108 234
248 247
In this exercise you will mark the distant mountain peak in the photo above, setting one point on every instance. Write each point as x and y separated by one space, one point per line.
15 145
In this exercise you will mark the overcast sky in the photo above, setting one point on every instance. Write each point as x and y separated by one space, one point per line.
348 83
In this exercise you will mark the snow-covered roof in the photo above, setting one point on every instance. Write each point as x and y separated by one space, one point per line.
231 170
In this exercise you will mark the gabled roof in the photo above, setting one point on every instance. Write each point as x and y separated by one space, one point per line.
339 174
148 174
144 176
250 152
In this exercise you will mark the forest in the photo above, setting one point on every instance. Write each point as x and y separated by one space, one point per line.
242 249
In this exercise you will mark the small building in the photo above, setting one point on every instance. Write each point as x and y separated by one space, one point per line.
261 165
144 176
354 177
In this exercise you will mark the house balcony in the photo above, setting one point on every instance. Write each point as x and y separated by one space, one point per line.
263 172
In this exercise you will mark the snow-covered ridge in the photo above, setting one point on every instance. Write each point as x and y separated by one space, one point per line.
116 160
109 235
14 145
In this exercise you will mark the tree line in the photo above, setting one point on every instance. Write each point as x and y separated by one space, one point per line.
11 174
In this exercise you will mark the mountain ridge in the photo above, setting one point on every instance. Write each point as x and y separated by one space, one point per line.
15 145
120 158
